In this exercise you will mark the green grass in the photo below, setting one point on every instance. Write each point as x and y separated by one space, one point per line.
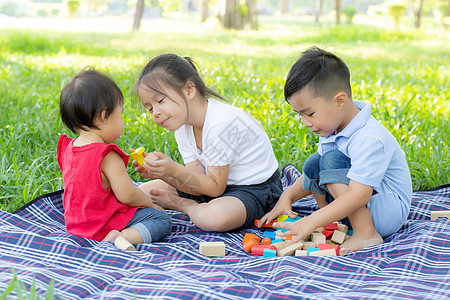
404 75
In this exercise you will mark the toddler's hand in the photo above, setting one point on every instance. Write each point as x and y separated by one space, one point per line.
137 167
283 206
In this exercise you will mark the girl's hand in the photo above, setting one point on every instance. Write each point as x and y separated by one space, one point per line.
283 206
159 166
299 230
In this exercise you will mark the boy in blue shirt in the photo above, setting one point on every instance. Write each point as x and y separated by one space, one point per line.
359 170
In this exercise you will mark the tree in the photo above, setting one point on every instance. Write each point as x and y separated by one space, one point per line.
318 4
205 13
349 14
283 7
418 14
396 11
338 11
138 15
240 14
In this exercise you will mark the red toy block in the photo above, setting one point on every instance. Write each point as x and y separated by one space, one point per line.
329 246
332 226
250 239
258 250
266 241
327 233
264 225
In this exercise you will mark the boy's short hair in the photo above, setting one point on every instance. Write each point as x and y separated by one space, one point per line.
324 73
86 96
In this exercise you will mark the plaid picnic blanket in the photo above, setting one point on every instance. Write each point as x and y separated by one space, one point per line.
412 263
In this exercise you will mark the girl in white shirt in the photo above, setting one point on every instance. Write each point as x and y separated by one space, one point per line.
230 174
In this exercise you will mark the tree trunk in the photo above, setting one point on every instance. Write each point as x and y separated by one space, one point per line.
283 7
252 17
138 15
338 12
205 13
318 9
419 14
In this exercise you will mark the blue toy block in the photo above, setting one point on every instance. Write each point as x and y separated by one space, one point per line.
269 253
270 234
277 241
289 219
350 232
311 249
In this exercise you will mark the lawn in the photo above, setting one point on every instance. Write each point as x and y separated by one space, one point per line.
404 75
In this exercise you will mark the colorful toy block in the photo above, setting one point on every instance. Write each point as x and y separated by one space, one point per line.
250 239
332 226
336 248
311 249
269 253
440 213
258 250
266 241
326 252
277 241
327 233
212 248
138 155
301 253
256 221
270 234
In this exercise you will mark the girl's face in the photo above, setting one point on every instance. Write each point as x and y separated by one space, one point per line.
112 127
321 116
168 110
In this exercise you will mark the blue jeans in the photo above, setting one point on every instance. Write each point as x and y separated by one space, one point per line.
153 224
331 167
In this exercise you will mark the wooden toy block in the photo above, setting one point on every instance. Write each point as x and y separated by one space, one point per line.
327 233
263 225
307 245
318 238
258 250
282 245
326 252
343 252
320 229
277 241
277 235
283 217
332 226
250 239
266 241
270 234
269 253
212 248
336 248
311 249
290 250
301 253
122 243
338 237
329 242
138 155
440 213
343 228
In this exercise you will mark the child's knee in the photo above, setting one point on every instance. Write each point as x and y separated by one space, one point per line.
333 160
311 166
212 218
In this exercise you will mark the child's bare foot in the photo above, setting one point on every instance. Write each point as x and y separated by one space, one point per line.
164 198
111 236
360 241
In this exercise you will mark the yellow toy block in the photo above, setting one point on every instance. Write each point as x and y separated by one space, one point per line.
138 155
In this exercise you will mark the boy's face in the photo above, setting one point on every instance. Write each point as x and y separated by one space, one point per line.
322 116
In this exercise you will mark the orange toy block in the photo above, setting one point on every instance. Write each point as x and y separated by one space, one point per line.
264 225
266 241
250 239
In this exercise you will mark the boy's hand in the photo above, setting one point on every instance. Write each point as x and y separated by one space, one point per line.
283 206
298 230
159 166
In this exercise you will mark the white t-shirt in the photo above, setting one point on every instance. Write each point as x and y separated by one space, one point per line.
232 137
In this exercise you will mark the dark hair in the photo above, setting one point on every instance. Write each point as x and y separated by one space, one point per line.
323 72
173 71
88 94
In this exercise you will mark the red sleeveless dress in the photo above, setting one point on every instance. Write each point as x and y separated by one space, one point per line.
90 211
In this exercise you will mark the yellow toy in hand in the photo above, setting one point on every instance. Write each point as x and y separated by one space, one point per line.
138 155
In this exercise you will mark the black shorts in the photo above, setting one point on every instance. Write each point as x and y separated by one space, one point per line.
258 199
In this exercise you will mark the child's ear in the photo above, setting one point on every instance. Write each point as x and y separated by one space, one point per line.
341 99
190 89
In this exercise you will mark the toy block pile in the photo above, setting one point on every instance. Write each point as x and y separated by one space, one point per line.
324 241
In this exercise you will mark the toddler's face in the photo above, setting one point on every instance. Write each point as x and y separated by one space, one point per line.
112 127
168 110
320 115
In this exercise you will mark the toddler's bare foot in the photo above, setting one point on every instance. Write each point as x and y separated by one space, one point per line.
112 236
360 241
169 200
